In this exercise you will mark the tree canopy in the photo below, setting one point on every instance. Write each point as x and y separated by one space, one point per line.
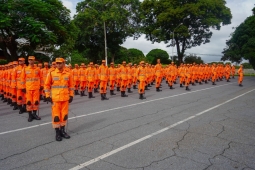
121 19
27 25
241 45
193 59
155 54
189 21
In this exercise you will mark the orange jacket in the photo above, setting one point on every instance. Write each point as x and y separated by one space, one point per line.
44 73
75 74
13 78
158 70
240 71
103 73
123 72
31 78
59 85
112 73
90 73
82 74
19 69
142 74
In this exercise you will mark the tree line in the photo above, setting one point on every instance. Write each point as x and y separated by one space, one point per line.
44 28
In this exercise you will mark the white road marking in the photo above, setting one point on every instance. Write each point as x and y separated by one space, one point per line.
135 104
85 164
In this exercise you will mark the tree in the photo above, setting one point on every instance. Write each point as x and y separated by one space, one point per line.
27 25
135 55
188 20
241 45
77 58
121 19
155 54
193 59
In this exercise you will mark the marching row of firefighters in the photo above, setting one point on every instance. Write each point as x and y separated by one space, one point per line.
23 86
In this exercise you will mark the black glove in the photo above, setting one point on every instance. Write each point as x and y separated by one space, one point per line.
70 99
49 100
23 90
41 88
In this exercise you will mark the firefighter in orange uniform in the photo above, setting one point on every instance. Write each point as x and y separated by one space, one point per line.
90 74
14 86
130 77
103 74
76 79
124 79
44 73
31 77
118 79
112 78
158 74
1 82
141 75
134 76
83 79
59 84
240 74
21 96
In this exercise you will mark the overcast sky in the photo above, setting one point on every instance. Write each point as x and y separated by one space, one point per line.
240 9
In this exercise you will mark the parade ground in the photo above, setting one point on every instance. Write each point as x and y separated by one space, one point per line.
209 127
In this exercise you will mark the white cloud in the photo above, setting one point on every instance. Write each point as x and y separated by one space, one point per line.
70 5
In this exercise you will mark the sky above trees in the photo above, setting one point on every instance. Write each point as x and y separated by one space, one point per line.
210 52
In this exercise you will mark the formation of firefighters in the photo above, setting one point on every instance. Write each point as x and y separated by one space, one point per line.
24 86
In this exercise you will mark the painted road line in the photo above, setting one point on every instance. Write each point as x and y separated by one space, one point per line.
116 108
85 164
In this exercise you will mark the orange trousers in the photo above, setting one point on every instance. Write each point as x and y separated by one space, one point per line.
14 94
141 87
21 97
59 113
103 87
90 86
240 79
32 99
118 82
83 85
123 85
76 84
111 84
129 83
158 81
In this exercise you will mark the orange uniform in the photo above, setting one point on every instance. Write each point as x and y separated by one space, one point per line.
83 79
240 74
103 75
112 78
158 74
60 86
124 79
90 74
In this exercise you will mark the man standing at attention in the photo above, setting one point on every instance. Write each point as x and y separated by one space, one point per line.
59 83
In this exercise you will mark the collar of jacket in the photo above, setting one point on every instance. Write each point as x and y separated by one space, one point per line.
58 71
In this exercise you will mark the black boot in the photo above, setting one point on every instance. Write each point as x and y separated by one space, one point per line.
63 133
44 99
181 85
15 106
102 96
187 88
129 90
193 84
213 83
134 87
200 83
142 97
171 87
158 90
123 94
9 101
112 92
146 88
5 100
228 80
35 115
118 88
90 95
205 81
152 83
12 103
149 85
24 108
30 116
20 109
81 93
240 85
105 96
58 136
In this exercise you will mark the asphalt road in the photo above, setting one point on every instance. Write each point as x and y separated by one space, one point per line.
209 127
